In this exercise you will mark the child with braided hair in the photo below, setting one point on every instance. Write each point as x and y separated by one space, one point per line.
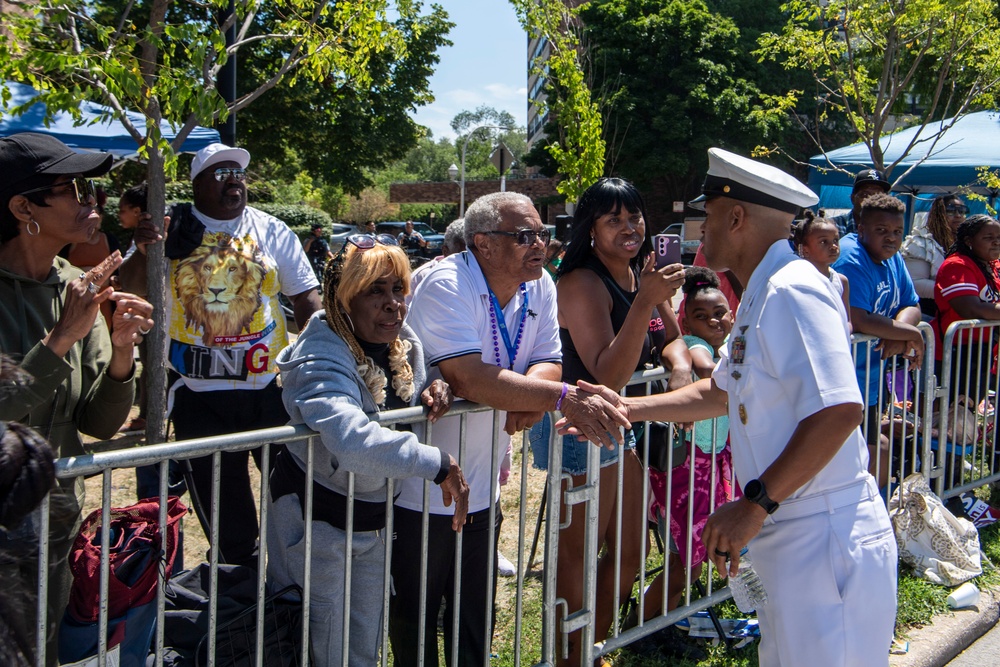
968 287
705 323
817 240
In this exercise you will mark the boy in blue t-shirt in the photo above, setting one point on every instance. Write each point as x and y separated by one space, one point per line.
883 303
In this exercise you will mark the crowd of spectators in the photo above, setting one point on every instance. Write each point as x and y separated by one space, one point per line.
505 317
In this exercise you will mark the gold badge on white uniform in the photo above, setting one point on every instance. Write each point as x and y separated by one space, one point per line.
743 414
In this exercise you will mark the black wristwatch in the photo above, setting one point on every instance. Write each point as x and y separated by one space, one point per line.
755 492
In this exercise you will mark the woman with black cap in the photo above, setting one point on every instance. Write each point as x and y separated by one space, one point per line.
82 372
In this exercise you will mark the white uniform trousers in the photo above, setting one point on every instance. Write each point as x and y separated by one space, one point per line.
831 585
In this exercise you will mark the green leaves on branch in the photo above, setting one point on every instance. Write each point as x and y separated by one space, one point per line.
878 65
579 150
162 58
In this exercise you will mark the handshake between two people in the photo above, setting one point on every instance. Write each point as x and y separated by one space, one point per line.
596 413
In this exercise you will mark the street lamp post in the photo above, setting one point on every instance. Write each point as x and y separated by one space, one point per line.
465 144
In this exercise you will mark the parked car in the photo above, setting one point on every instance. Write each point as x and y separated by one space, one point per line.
339 234
435 241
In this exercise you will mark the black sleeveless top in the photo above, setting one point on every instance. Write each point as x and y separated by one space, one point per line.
621 302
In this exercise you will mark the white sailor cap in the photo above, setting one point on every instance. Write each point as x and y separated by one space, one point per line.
737 177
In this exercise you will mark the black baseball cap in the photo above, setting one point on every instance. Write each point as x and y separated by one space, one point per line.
870 176
26 155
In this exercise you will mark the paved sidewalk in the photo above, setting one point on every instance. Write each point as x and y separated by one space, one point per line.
950 634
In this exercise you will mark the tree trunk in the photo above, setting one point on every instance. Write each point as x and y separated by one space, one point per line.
156 370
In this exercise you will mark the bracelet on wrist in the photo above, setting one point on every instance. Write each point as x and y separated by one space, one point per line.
565 390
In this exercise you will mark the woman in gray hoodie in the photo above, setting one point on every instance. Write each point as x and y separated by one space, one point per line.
350 362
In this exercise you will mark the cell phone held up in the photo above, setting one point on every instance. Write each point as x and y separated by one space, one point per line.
667 248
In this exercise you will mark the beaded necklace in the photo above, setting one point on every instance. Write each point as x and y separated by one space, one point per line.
497 320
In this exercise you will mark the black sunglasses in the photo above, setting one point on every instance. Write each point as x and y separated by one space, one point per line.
224 173
960 209
84 189
525 237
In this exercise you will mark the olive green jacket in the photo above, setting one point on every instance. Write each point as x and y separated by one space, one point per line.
69 395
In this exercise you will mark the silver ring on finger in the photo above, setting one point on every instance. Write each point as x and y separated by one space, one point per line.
92 288
82 275
145 332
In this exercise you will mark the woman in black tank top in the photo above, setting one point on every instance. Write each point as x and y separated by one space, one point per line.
614 317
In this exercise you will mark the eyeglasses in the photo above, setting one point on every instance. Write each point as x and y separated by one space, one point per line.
368 241
83 189
525 237
225 173
956 209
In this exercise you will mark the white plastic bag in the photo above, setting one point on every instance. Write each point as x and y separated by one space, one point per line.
942 548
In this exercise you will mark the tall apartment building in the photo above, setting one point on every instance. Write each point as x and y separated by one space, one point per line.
538 53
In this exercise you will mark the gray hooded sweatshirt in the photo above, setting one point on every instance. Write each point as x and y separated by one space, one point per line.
322 389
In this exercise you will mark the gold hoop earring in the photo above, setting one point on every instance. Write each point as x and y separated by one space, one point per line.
27 227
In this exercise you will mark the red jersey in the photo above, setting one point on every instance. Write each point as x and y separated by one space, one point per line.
959 276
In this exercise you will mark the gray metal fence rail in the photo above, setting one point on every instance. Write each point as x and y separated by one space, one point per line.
907 402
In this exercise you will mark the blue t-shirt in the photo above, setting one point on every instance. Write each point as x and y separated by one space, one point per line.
882 288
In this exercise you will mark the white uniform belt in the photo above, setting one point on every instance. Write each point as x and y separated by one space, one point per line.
825 502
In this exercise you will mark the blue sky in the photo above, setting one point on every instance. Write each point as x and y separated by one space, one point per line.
486 65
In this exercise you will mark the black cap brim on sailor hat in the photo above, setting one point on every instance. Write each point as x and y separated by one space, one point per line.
734 176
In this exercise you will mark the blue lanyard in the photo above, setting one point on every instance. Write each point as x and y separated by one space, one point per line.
501 324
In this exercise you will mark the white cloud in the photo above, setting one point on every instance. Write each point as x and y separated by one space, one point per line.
449 103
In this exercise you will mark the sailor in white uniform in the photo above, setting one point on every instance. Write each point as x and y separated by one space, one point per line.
818 533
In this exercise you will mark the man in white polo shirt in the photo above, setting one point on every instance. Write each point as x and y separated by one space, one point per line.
487 320
817 530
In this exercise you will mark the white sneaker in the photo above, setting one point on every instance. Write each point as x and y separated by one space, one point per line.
504 566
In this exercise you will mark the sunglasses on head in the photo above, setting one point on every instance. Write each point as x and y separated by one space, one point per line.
225 173
365 242
525 237
368 241
959 209
83 189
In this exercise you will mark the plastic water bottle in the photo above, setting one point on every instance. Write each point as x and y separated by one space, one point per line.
746 586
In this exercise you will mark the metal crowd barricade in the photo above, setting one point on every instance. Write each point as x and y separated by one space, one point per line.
905 398
559 620
900 394
106 462
965 441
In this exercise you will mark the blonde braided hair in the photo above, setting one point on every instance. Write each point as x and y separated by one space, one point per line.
347 276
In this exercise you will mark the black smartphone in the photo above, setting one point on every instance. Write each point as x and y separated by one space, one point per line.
668 249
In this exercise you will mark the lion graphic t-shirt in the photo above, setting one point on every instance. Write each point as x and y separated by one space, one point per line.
226 323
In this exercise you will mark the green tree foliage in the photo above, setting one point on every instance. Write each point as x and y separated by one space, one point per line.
879 63
671 77
339 130
579 147
480 132
162 58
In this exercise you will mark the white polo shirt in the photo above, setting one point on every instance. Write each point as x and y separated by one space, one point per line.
450 314
796 360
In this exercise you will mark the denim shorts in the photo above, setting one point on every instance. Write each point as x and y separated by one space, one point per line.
574 460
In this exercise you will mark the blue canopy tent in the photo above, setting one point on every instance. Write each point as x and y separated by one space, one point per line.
948 166
99 131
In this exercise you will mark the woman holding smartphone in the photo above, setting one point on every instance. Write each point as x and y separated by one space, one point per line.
614 317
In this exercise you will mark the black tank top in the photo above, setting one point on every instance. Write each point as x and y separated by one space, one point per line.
621 302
